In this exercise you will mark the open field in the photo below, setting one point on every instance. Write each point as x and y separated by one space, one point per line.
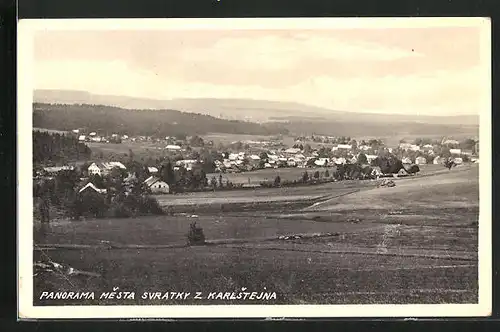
291 174
413 243
269 174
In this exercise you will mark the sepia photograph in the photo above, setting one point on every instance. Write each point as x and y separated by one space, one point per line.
189 168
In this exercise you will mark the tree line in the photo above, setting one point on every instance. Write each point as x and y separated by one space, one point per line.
56 148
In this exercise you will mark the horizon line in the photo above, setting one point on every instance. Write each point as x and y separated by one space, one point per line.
228 98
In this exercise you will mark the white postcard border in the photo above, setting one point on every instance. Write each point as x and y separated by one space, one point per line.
26 310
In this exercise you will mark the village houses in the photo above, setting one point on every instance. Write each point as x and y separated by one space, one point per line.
104 167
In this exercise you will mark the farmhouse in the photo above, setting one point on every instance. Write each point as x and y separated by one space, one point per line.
456 151
420 161
82 138
344 146
91 186
156 185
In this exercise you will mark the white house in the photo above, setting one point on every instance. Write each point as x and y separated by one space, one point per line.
173 147
90 185
406 160
94 169
344 146
157 186
438 160
321 162
458 160
93 133
456 151
76 131
81 138
420 161
152 170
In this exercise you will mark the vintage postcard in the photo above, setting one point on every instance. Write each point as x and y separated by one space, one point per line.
211 168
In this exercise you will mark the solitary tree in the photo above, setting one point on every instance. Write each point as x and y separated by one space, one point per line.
305 177
277 180
213 182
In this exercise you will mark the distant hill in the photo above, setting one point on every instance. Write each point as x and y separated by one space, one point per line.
158 123
245 109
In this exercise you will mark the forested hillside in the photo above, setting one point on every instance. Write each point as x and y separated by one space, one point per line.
159 123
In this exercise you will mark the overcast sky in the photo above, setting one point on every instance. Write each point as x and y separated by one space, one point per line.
428 71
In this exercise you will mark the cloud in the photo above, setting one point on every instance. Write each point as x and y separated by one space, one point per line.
107 77
443 92
277 52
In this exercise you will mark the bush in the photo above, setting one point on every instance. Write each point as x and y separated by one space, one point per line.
195 235
119 210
